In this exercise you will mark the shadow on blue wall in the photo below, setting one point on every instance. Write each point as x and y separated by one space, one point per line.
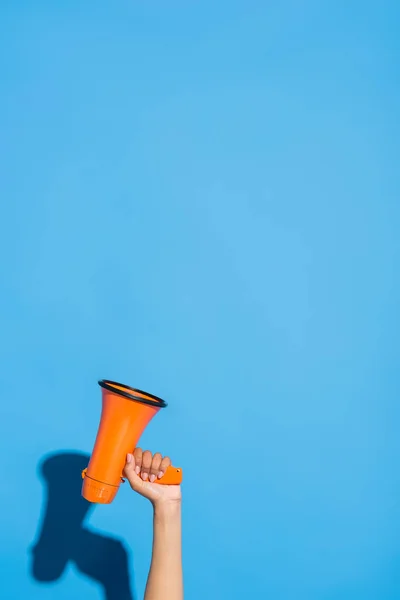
63 537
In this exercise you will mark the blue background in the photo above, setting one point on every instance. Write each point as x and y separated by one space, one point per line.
201 199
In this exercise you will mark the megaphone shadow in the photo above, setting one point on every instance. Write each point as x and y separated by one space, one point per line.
63 538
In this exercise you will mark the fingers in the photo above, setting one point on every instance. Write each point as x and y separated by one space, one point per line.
146 465
138 455
130 473
142 469
165 463
155 467
150 467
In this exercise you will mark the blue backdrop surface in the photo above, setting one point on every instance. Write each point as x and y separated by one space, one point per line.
201 199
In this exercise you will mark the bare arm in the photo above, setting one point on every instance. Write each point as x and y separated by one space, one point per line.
165 577
165 581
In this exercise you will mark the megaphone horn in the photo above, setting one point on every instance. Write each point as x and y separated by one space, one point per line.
125 414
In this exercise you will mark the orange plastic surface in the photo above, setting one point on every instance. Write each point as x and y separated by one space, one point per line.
122 422
172 476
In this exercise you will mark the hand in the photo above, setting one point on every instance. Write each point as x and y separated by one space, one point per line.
150 468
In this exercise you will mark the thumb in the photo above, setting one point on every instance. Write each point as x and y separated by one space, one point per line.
136 482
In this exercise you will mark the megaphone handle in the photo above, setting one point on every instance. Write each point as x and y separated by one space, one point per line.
172 476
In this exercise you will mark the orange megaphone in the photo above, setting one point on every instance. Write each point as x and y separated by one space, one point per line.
125 413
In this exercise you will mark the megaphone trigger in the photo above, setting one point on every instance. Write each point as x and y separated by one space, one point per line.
172 476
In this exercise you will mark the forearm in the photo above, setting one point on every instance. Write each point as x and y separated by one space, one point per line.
165 580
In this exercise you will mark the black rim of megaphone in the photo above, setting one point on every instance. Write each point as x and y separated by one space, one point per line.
151 400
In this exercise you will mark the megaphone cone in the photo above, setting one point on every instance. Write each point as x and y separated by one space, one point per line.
125 414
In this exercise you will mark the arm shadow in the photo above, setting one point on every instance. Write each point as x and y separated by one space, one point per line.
64 539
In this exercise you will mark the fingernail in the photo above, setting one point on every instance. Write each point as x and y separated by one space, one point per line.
137 470
145 476
129 458
152 478
160 475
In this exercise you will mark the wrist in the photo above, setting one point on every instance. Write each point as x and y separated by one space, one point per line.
167 509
